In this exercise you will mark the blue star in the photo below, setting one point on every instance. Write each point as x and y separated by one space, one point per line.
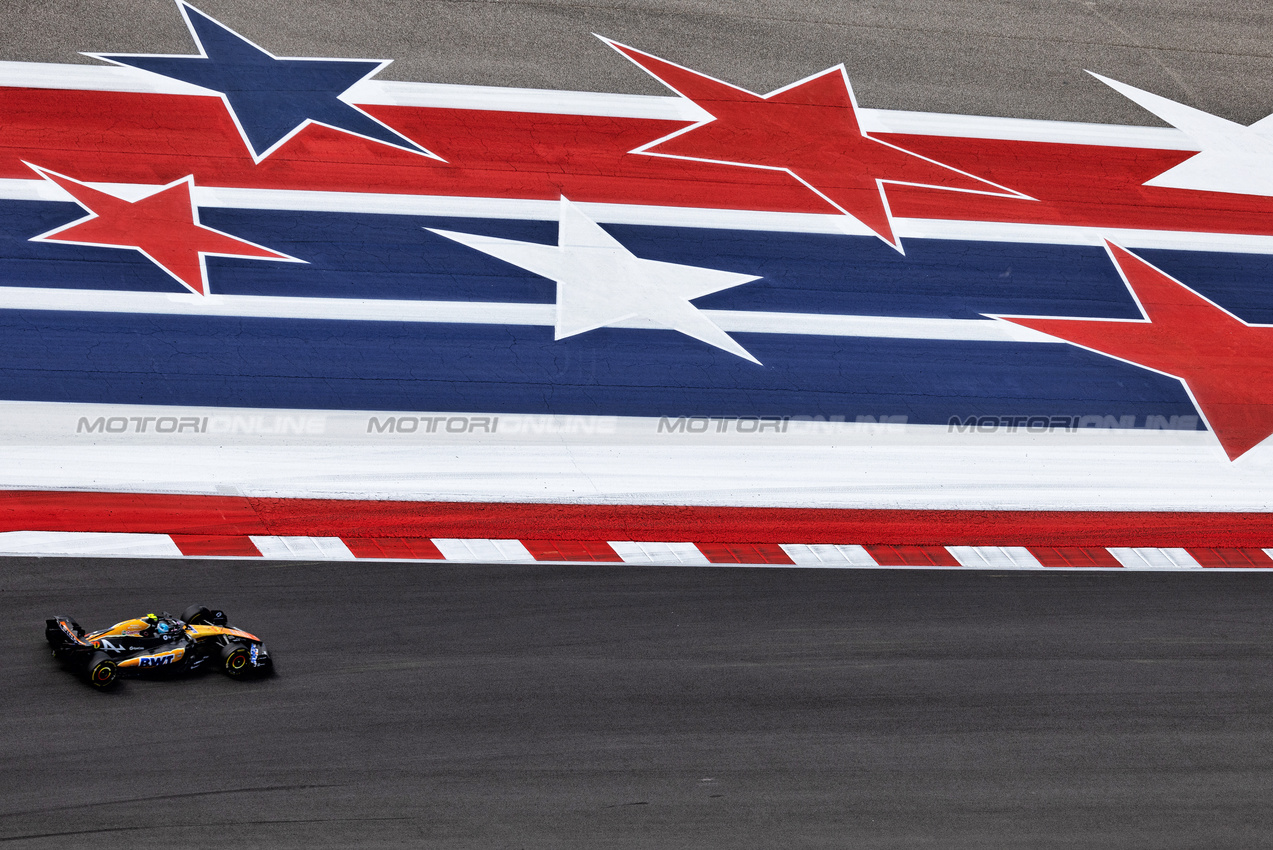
270 98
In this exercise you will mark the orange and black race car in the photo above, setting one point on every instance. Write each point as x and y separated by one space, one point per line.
200 639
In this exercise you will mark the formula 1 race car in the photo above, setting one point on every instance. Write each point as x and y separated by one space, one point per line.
200 639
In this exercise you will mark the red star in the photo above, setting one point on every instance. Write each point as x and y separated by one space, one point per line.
164 226
810 130
1225 363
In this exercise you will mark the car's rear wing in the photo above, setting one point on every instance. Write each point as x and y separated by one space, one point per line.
63 631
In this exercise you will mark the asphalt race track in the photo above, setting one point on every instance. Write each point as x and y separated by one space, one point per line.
423 705
542 706
978 57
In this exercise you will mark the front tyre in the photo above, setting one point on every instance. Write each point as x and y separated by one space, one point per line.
102 671
236 660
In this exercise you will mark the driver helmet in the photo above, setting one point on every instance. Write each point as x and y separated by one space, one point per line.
158 624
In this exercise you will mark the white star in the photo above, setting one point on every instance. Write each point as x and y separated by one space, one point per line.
600 283
1233 158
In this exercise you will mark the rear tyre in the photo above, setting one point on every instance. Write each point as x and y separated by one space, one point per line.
235 660
196 614
102 671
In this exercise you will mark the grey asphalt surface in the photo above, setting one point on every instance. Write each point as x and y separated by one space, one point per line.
610 706
427 705
1020 58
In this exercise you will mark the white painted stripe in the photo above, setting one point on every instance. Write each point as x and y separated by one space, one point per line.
303 548
1023 130
1052 234
502 208
480 550
470 550
264 306
547 101
44 75
828 555
489 313
1155 559
447 96
892 327
661 216
904 467
517 209
543 101
658 553
998 557
87 544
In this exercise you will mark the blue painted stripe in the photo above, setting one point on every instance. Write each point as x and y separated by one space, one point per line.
154 359
394 257
1241 283
806 273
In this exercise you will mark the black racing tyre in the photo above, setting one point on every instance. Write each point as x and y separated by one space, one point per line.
196 614
236 660
102 671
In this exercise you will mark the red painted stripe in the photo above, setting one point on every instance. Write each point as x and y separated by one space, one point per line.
416 548
216 544
154 139
571 550
912 556
237 516
744 553
488 154
55 510
1231 557
1086 185
1074 556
